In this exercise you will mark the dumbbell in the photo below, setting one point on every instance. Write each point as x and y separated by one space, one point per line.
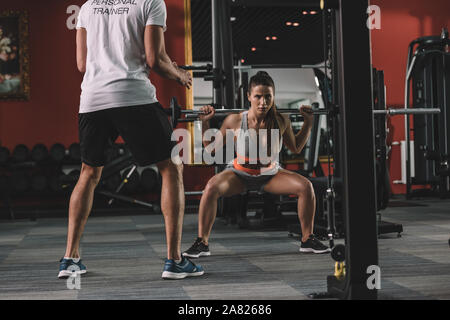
75 152
39 182
56 181
20 182
58 152
69 179
4 183
4 155
113 182
20 153
39 152
74 174
149 179
338 253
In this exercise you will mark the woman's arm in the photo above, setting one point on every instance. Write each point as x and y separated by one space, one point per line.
231 122
296 142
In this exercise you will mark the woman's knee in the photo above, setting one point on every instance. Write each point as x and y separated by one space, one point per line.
305 189
212 189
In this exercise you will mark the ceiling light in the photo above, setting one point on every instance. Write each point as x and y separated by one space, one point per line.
305 12
232 19
289 23
296 24
274 38
313 12
253 49
267 38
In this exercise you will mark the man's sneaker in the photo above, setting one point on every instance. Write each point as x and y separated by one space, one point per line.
185 268
197 250
68 266
313 245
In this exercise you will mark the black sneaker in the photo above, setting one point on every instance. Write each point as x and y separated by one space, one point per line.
197 250
313 245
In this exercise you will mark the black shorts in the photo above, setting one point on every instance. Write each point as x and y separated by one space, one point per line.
145 129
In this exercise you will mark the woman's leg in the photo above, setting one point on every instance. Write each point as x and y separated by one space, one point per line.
290 183
224 184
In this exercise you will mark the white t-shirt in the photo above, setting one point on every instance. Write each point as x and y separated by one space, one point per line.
117 74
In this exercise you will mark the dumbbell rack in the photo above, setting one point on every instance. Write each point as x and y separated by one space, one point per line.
28 175
60 167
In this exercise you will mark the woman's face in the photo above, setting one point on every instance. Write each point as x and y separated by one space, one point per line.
261 98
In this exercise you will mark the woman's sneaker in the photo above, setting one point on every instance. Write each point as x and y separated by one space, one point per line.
197 250
313 245
68 267
185 268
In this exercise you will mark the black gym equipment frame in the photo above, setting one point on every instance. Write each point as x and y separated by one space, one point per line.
352 76
381 154
357 163
352 166
428 78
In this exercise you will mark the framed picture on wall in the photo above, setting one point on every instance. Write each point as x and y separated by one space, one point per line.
14 56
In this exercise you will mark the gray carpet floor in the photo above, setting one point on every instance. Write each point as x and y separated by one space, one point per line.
125 256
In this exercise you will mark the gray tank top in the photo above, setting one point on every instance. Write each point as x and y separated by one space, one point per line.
253 148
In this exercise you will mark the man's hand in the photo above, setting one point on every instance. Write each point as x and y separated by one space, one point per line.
185 77
307 113
158 60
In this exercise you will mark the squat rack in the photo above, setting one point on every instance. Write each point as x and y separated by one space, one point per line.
352 97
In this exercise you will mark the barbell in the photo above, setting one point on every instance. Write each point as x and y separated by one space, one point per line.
176 112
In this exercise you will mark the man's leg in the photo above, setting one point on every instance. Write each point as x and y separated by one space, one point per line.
80 207
172 205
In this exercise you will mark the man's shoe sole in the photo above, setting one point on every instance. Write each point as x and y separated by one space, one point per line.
63 274
176 276
311 250
201 254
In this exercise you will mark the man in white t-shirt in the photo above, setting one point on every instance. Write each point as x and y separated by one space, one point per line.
118 42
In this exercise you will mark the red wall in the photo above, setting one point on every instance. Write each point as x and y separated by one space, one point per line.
51 114
401 22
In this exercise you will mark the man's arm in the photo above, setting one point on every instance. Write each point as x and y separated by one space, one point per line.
81 49
159 61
